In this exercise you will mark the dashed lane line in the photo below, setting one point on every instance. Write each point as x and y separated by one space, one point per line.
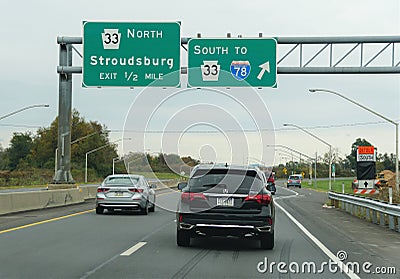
133 249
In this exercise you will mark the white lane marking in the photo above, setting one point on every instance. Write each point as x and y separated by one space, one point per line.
343 267
288 197
133 249
103 264
287 189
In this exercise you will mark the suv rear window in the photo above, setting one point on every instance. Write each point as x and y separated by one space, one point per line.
294 177
121 181
236 181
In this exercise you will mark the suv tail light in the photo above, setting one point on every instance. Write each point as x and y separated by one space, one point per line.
188 196
102 190
136 190
260 198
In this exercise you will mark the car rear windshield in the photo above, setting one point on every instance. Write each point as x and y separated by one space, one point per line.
236 181
113 181
294 177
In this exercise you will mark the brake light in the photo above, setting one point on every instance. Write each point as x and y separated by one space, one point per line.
136 190
180 218
269 220
188 196
102 190
290 181
260 198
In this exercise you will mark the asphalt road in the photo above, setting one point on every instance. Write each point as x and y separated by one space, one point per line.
81 244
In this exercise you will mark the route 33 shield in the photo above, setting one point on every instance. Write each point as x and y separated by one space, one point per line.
240 69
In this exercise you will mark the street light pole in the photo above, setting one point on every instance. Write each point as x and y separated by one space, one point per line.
75 141
321 140
315 90
128 164
25 108
94 150
290 149
315 170
301 154
115 160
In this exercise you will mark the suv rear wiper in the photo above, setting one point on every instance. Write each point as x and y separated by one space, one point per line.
210 185
218 185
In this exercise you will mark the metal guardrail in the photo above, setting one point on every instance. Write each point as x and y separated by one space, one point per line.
377 212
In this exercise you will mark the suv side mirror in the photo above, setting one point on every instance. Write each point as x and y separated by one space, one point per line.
153 186
182 185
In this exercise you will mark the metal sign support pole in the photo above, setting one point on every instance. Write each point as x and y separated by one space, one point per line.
63 174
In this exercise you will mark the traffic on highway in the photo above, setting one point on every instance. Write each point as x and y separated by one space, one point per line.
122 244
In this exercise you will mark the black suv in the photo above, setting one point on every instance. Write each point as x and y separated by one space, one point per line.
222 200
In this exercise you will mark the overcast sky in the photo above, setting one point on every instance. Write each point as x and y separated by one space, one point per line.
29 57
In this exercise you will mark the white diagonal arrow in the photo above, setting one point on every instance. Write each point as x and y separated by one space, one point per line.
264 67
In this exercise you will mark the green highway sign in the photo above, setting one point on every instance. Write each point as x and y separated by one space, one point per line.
131 54
232 62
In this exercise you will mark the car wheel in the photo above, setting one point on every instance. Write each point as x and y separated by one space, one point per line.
153 207
182 238
99 210
145 210
299 186
267 241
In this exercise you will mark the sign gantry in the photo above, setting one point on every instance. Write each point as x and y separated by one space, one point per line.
138 54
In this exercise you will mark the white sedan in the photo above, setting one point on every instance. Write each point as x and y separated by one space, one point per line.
125 192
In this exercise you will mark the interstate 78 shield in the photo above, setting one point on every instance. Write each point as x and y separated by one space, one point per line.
240 69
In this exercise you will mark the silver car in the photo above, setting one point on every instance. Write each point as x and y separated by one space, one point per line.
125 192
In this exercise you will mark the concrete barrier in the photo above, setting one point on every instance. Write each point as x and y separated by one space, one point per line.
88 192
23 201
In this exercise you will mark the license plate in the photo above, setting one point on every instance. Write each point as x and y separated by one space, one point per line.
225 201
119 194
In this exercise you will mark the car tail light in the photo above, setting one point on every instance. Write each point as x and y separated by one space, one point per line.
260 198
180 218
269 220
136 190
102 190
188 196
289 181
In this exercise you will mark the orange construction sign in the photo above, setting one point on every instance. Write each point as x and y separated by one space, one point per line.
366 150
